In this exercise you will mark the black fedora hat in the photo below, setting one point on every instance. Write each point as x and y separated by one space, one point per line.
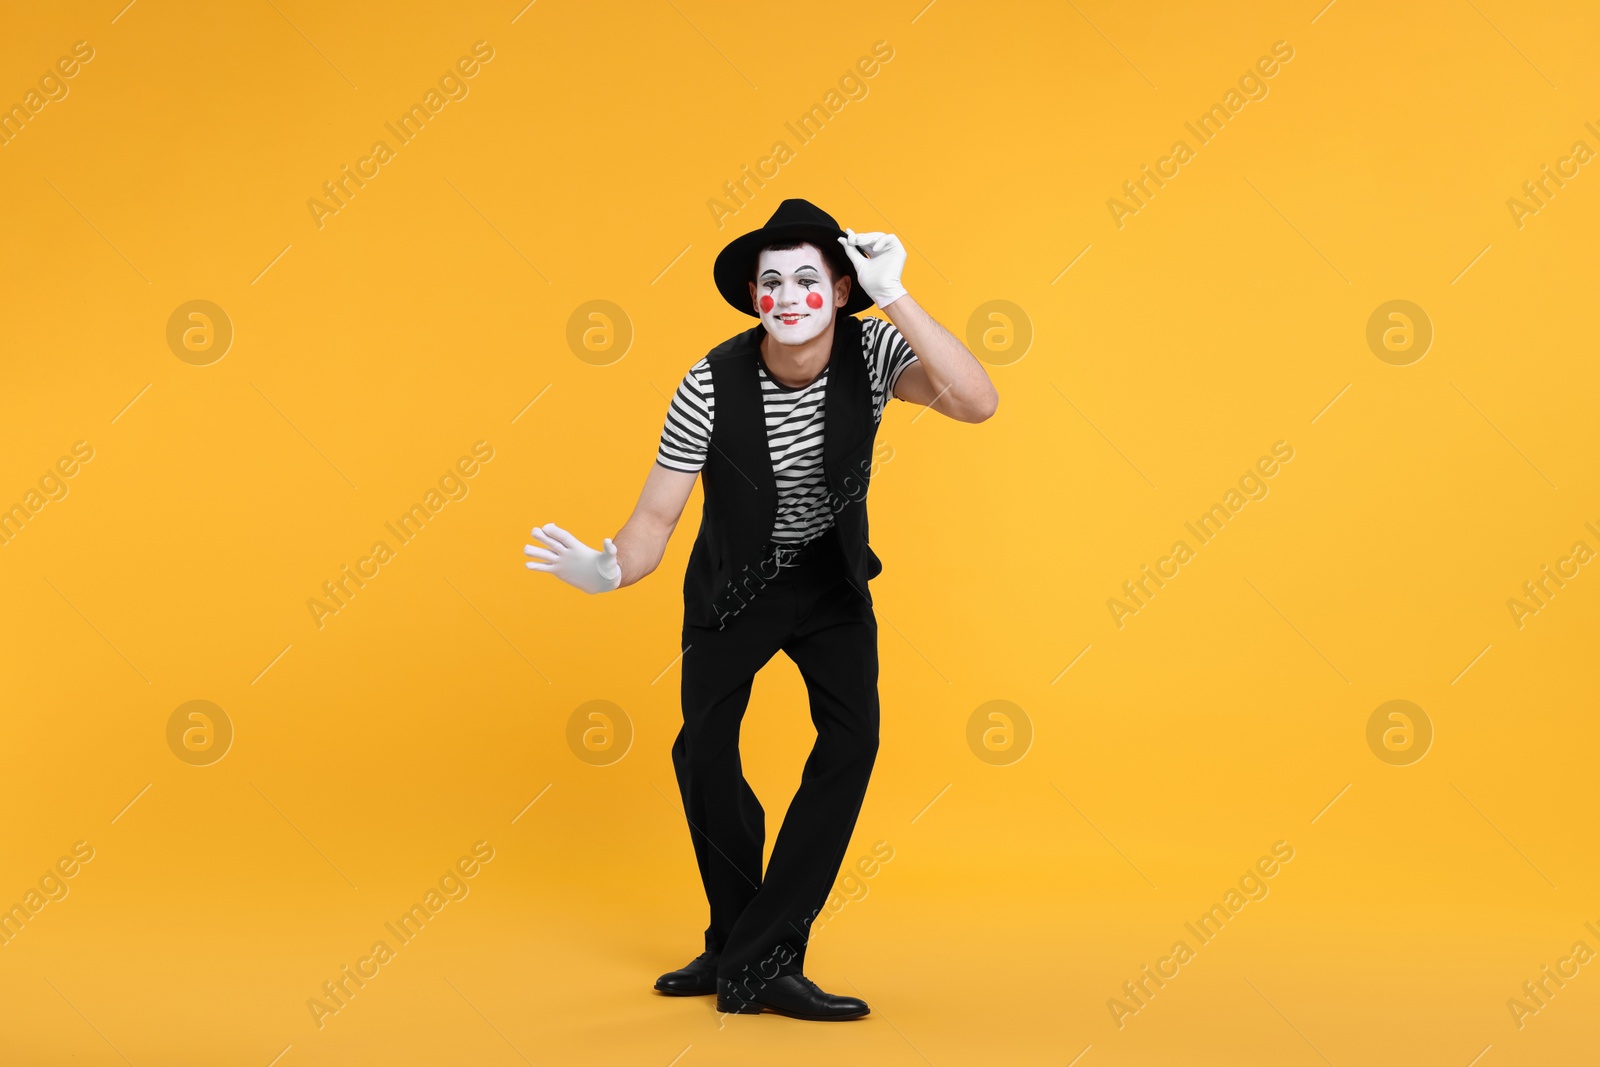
795 220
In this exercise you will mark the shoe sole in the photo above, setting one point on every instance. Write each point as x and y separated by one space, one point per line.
752 1008
685 992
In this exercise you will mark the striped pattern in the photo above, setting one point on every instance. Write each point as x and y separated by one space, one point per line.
794 428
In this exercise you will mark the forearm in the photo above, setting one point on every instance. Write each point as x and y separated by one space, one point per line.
641 543
963 388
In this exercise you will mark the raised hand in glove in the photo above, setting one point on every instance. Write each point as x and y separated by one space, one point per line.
879 269
572 561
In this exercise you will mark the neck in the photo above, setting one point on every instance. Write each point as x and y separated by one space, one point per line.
795 366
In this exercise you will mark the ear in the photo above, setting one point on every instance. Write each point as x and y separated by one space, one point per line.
754 303
841 292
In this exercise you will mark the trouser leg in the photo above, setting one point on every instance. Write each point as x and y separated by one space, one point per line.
726 822
835 646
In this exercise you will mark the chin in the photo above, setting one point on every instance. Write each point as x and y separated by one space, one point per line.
805 331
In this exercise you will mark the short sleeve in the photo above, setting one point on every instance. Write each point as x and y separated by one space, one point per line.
686 434
888 354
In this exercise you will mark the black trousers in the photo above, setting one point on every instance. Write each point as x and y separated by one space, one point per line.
760 923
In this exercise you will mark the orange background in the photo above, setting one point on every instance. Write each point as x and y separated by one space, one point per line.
1029 881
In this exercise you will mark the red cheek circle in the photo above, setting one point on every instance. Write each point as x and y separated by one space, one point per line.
813 300
766 303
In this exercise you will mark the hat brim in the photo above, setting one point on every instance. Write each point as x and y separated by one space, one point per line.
735 264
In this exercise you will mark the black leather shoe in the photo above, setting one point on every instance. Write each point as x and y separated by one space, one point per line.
698 979
793 995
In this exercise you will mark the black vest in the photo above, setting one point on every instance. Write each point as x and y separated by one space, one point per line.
726 566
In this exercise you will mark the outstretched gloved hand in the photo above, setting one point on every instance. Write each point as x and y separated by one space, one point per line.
879 270
574 562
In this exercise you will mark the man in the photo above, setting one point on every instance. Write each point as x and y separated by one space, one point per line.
779 423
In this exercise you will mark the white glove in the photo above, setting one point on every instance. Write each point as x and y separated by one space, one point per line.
574 562
880 274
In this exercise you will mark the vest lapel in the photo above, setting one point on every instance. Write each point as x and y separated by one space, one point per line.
741 426
843 421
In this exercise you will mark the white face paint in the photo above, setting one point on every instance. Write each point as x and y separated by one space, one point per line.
789 277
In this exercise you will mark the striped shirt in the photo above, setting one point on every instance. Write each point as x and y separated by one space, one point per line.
794 428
